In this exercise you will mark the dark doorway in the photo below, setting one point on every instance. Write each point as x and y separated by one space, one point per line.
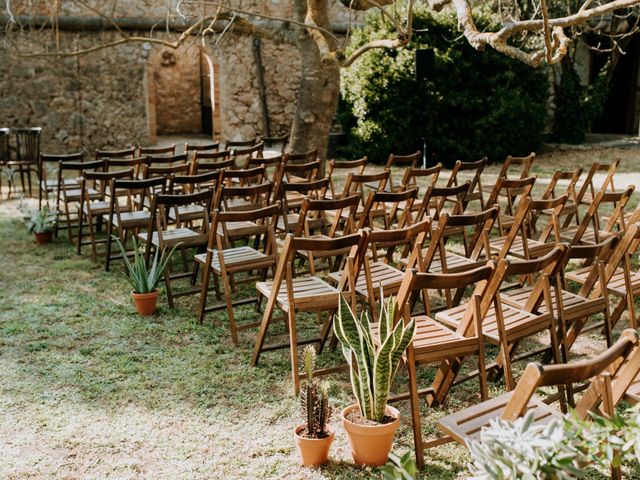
620 113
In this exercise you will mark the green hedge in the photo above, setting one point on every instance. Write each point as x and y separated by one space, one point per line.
474 104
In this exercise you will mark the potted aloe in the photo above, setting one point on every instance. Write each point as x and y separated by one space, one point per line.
313 438
144 280
371 423
42 223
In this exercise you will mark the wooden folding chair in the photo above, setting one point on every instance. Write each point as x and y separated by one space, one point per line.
384 209
589 230
436 258
244 154
514 191
314 189
167 160
191 149
69 194
249 197
271 164
122 153
574 309
49 185
553 190
433 342
620 280
293 294
462 169
338 168
506 326
191 184
160 236
223 260
127 211
522 164
313 222
166 150
276 144
138 164
357 183
93 207
521 242
209 161
300 157
410 180
438 200
150 171
298 172
608 373
589 187
401 161
233 144
382 275
294 173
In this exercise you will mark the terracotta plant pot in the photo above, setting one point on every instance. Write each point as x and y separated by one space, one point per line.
145 302
44 237
370 444
313 451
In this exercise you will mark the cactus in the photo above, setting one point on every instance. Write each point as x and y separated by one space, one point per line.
375 364
314 399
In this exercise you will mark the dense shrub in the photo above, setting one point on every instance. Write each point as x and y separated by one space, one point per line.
577 105
474 103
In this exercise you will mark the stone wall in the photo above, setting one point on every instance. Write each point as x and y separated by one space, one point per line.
83 102
123 95
240 104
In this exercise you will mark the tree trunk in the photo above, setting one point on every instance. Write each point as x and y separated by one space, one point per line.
318 94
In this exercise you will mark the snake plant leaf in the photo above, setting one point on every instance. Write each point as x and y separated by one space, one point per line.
382 377
406 337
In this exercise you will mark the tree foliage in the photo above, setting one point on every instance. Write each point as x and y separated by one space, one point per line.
576 105
473 104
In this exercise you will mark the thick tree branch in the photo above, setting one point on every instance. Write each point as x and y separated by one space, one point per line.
557 44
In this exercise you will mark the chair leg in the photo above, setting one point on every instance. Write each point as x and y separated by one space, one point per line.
264 326
229 301
204 288
415 408
482 371
508 374
293 345
167 282
29 181
80 227
92 237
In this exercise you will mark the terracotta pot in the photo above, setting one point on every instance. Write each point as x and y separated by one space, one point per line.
313 451
44 237
370 444
145 302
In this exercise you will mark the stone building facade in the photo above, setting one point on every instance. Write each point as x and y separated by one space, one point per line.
130 93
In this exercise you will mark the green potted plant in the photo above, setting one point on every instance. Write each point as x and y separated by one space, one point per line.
313 438
371 423
144 280
42 223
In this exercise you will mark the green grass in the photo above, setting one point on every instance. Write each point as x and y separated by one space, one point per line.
90 389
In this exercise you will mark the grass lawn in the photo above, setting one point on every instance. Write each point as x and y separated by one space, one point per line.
91 390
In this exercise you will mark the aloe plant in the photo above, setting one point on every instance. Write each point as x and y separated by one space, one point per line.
41 221
375 363
141 278
314 399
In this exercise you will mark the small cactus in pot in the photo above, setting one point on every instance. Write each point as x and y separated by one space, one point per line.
313 437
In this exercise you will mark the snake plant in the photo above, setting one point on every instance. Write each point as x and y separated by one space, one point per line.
373 363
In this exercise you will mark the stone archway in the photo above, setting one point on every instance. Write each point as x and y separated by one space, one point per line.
176 91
